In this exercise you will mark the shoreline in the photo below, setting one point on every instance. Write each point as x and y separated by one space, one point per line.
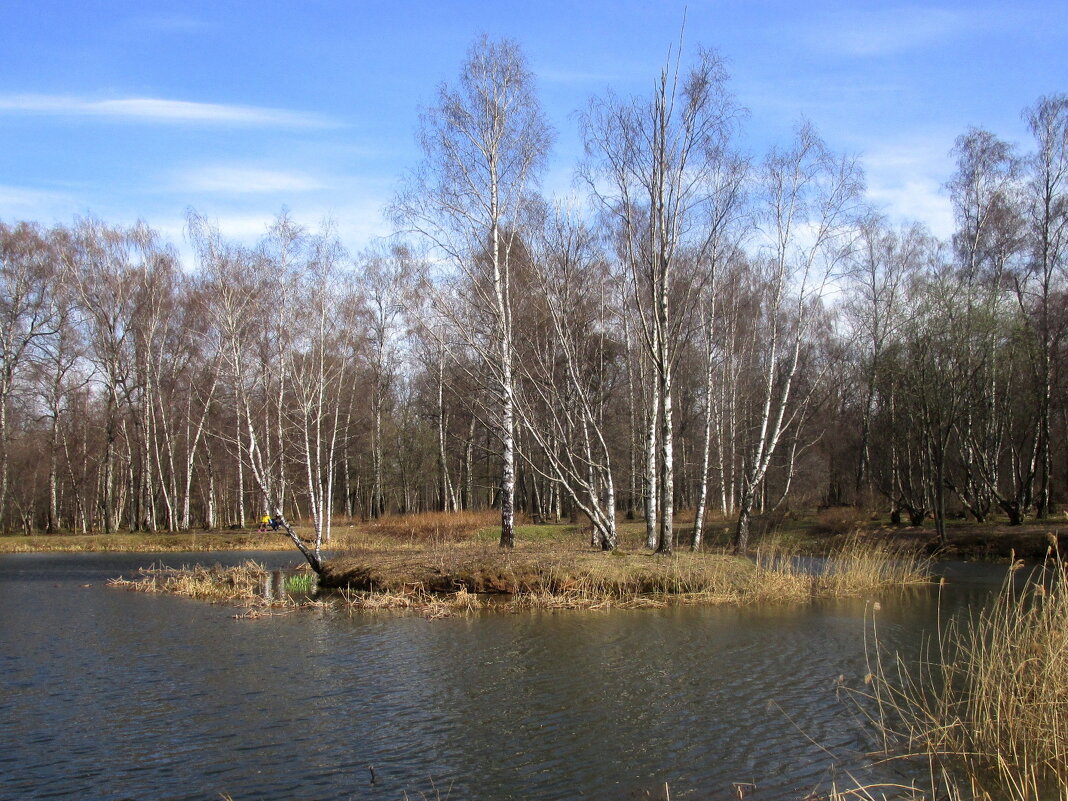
991 542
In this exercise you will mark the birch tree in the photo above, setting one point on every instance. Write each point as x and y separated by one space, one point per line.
651 167
883 263
387 277
28 266
988 242
316 378
484 145
1041 289
810 205
566 371
105 267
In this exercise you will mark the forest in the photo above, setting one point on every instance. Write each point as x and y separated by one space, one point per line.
697 328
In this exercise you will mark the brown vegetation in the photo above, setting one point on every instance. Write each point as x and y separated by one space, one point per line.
217 584
244 540
439 564
426 527
989 700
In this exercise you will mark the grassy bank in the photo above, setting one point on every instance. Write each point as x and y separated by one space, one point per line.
556 574
988 703
242 540
815 533
438 571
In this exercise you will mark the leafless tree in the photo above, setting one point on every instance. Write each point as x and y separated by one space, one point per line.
652 166
484 145
1042 286
808 219
565 370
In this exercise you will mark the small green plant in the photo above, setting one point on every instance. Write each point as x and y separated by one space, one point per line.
301 583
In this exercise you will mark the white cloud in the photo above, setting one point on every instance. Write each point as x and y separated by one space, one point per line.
159 110
357 222
246 180
905 178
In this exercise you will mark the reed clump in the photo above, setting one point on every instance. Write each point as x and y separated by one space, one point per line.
414 598
860 564
989 697
217 584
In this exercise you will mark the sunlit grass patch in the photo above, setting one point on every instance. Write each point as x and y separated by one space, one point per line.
422 529
300 584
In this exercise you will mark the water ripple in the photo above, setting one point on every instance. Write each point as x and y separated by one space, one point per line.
111 695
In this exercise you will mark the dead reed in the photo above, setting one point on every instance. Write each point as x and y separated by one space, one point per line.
989 698
217 584
430 605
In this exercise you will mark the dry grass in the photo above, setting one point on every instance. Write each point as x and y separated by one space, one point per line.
860 564
937 784
440 564
990 696
418 530
555 575
449 575
217 584
839 520
146 543
417 599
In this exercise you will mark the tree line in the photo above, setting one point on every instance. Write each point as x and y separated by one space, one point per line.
705 329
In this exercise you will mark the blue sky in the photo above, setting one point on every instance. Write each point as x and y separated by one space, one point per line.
130 110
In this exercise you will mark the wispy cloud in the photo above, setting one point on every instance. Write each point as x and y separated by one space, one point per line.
159 110
247 180
356 223
168 23
24 202
887 31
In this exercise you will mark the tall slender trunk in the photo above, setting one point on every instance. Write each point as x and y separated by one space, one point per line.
4 471
447 499
745 510
651 482
240 499
378 506
53 467
702 492
469 465
507 457
667 468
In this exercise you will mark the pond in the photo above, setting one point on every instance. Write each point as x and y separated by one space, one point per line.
106 694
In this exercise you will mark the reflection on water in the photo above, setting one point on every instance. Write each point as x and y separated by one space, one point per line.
115 695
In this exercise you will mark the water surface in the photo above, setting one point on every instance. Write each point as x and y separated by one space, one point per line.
106 694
